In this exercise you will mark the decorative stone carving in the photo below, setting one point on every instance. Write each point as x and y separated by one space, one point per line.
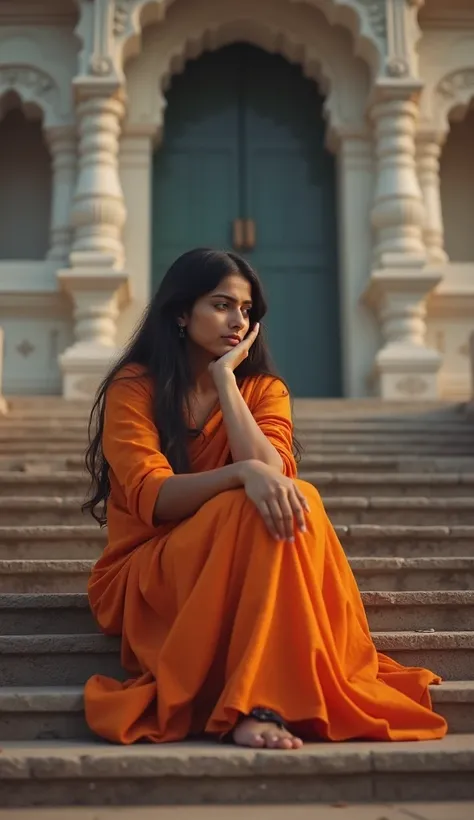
121 12
412 386
25 348
20 77
100 66
402 35
397 67
101 62
375 10
456 83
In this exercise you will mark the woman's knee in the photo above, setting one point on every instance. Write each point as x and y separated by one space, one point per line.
309 490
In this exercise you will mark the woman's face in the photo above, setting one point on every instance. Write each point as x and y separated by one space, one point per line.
221 319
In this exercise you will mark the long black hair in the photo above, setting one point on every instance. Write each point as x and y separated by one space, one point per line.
156 346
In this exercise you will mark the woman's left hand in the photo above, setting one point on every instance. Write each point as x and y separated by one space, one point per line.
232 359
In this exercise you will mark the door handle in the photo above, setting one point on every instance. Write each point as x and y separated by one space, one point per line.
238 234
250 232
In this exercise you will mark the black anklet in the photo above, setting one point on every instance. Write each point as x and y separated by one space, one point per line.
258 713
266 716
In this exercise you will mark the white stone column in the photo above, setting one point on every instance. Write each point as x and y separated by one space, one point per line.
95 279
398 211
428 151
98 208
405 368
136 174
359 330
62 143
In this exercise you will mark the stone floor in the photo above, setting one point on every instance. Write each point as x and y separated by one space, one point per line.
342 811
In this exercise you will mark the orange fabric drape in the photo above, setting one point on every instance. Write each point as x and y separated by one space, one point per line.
216 617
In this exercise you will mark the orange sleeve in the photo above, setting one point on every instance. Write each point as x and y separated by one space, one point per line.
131 446
272 412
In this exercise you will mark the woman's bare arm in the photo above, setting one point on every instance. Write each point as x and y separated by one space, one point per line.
182 495
246 439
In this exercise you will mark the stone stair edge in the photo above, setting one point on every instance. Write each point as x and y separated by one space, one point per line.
70 698
364 502
323 476
367 562
98 643
48 531
380 598
93 759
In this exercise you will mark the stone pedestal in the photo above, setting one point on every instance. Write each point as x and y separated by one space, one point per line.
96 295
405 368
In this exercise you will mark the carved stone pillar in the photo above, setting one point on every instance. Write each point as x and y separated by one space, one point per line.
62 143
98 210
400 281
428 152
398 211
95 279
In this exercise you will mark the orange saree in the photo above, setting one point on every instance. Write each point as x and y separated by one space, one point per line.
217 617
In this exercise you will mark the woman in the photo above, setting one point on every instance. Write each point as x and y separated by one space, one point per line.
238 611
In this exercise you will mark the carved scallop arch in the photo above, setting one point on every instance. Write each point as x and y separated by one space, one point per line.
449 87
365 19
455 94
322 51
34 87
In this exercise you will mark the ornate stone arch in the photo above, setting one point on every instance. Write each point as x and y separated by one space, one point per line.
365 19
449 88
34 87
304 37
455 93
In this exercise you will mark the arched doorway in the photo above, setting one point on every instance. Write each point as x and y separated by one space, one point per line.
244 138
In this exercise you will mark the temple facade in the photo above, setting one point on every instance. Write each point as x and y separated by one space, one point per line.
329 141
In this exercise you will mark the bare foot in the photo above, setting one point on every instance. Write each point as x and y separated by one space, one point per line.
258 735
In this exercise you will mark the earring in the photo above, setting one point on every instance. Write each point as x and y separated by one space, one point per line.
181 331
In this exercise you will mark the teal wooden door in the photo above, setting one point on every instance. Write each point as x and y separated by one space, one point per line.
244 137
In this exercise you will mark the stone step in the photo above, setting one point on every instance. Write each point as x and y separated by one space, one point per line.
310 431
345 483
401 810
407 509
50 510
387 453
47 482
383 433
93 773
372 573
72 659
56 712
371 463
56 541
390 450
43 463
69 613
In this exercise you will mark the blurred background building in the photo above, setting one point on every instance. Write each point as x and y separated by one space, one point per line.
330 141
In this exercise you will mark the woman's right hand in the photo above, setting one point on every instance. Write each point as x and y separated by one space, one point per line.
277 498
